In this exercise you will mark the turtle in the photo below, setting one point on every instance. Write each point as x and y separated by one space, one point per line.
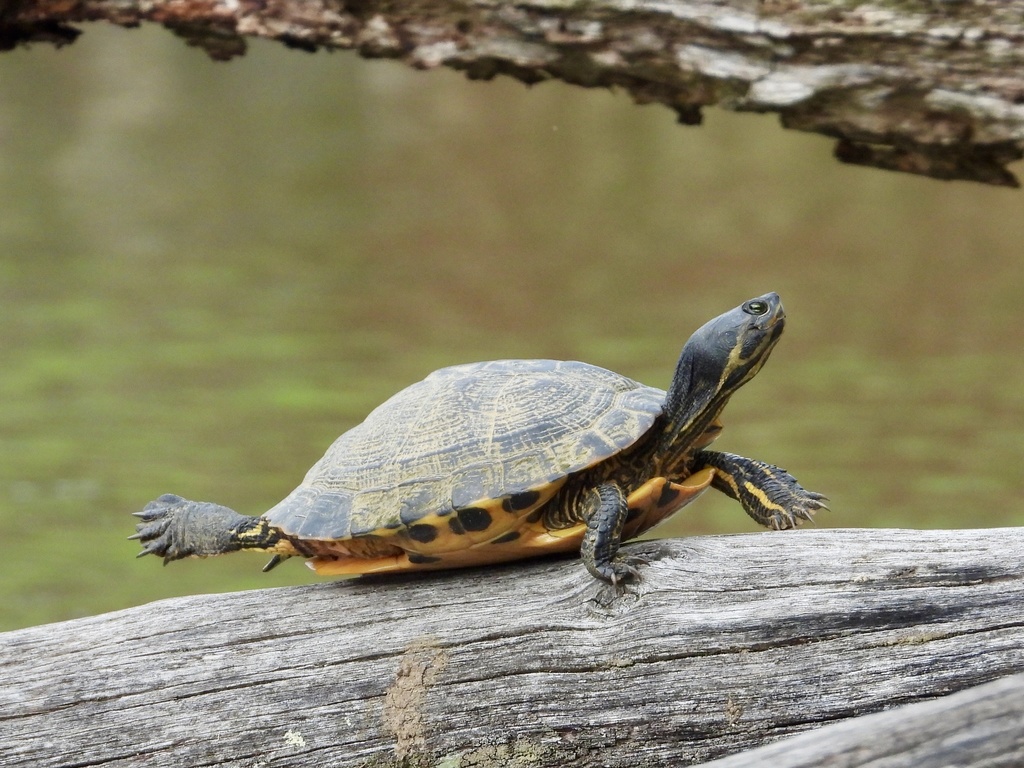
508 459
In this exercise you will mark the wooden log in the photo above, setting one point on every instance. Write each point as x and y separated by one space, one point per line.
928 88
725 644
982 726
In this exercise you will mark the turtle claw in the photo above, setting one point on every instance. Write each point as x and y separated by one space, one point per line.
803 505
625 574
152 531
150 549
159 508
172 528
621 570
769 494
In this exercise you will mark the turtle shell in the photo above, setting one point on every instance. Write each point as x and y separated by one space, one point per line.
462 443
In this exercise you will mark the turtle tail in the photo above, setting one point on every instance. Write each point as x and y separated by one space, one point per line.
173 528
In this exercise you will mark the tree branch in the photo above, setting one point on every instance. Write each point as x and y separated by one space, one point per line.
725 644
932 88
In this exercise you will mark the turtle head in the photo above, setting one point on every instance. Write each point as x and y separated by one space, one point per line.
720 357
728 351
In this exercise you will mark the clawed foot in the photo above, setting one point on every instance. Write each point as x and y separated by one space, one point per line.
769 494
798 504
620 570
152 532
173 528
776 500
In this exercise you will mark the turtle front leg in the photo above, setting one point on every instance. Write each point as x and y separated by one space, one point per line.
173 528
769 494
604 510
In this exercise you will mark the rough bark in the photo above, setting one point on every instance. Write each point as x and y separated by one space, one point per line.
725 644
933 88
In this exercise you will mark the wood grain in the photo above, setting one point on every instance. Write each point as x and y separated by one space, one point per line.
726 644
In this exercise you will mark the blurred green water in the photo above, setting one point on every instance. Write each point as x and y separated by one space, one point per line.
209 271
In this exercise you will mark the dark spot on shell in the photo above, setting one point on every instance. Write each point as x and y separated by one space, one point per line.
422 533
536 515
633 514
517 502
668 495
456 527
510 536
475 519
417 559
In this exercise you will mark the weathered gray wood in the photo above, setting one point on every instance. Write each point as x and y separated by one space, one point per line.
979 728
923 87
726 644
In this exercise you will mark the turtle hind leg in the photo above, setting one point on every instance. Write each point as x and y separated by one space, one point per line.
770 495
173 528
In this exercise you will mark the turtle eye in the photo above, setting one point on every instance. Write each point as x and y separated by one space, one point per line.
756 307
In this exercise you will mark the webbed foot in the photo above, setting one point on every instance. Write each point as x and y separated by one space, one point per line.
173 528
769 494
